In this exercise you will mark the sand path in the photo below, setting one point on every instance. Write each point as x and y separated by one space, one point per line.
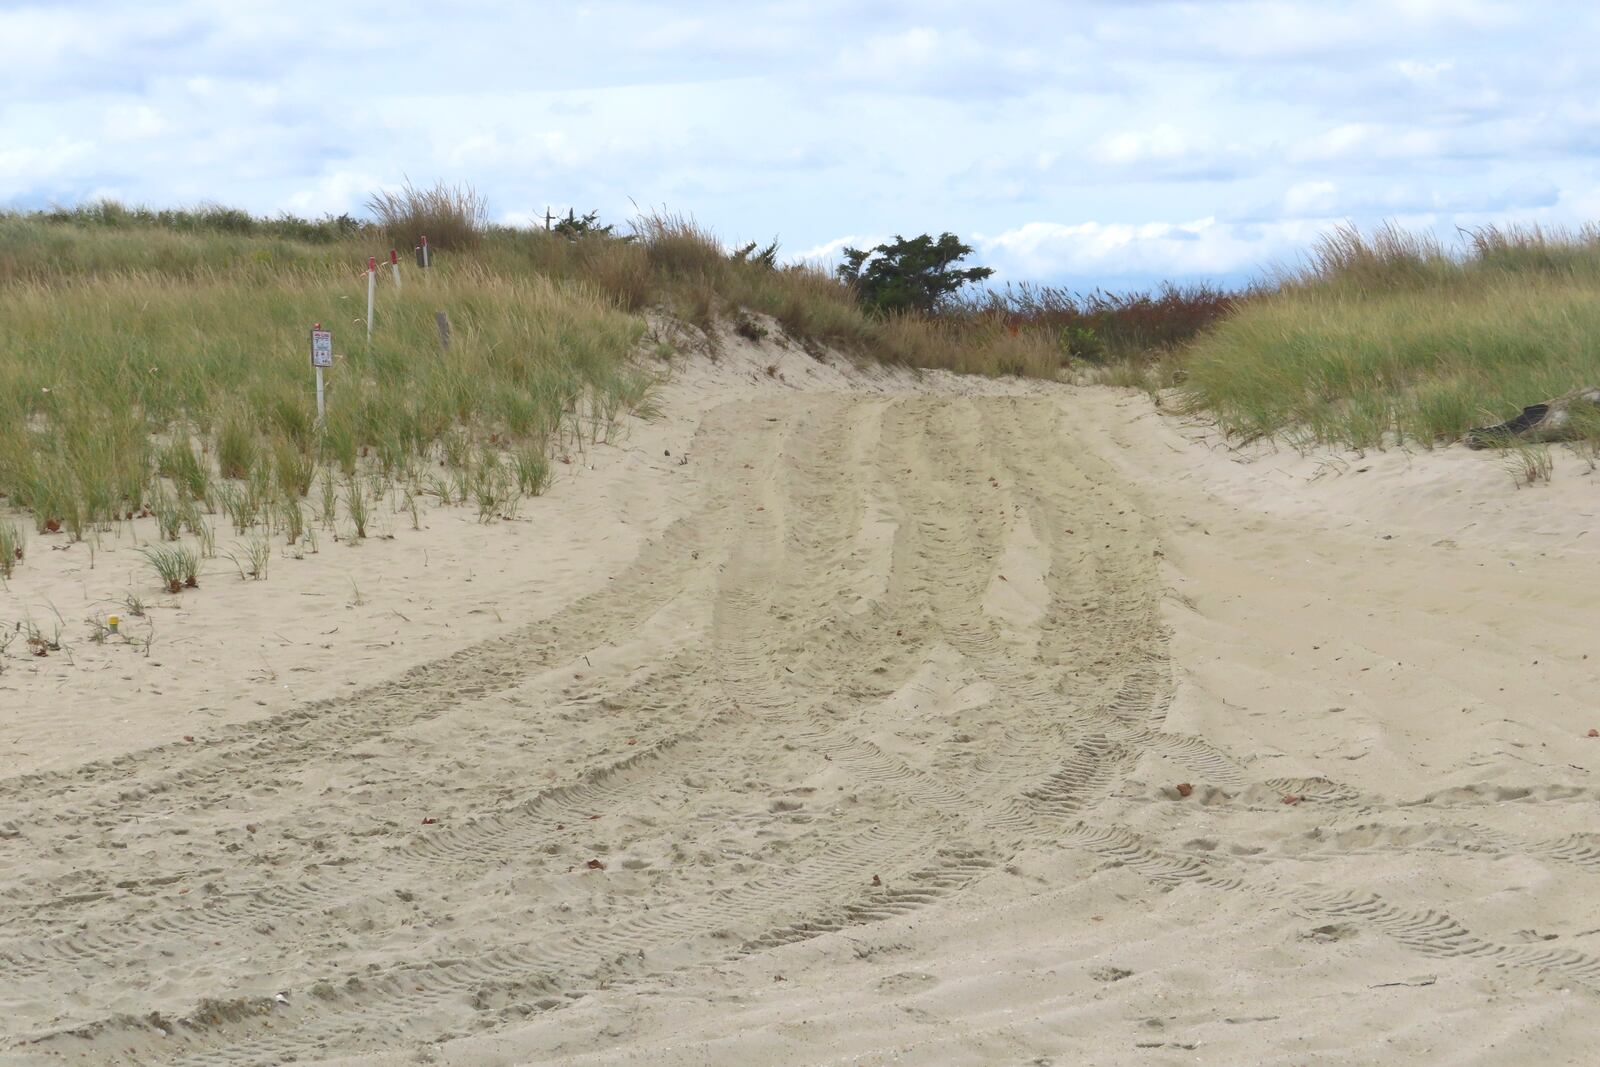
871 756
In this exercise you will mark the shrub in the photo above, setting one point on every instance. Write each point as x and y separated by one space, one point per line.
761 257
914 275
749 328
576 226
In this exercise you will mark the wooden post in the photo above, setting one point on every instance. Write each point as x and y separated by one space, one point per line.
372 290
443 322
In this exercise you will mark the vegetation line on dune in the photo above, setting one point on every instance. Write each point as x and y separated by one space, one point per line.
153 362
1389 336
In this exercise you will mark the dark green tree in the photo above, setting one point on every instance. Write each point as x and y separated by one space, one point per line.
576 226
751 253
914 275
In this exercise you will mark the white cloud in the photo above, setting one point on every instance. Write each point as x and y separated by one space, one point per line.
831 252
1164 142
1424 73
924 59
1318 198
28 166
334 193
1202 247
1368 141
133 122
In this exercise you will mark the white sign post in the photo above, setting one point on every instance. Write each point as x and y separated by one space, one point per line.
372 290
394 265
321 356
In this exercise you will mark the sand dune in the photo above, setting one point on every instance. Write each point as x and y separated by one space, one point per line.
861 743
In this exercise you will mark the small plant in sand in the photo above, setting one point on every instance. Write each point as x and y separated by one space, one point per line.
240 503
533 469
236 446
99 630
207 538
749 328
179 463
178 566
356 506
253 557
168 512
327 513
11 551
493 489
295 469
440 487
1527 463
291 519
41 642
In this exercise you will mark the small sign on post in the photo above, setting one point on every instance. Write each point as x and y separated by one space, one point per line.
321 356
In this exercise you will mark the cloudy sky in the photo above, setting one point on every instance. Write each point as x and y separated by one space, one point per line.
1085 143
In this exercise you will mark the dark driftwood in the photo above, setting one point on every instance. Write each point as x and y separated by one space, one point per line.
1565 418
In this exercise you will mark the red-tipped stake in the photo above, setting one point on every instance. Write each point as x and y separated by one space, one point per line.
394 267
426 257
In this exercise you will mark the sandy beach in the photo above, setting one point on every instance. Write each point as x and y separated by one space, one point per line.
837 716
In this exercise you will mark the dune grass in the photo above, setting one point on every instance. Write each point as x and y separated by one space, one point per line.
157 363
145 366
1391 337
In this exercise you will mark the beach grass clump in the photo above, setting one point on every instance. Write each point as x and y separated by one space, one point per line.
11 547
178 566
532 467
451 217
178 462
357 506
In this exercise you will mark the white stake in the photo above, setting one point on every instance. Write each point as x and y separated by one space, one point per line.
372 290
426 257
322 407
394 265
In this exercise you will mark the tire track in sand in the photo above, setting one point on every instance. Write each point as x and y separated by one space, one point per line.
822 645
